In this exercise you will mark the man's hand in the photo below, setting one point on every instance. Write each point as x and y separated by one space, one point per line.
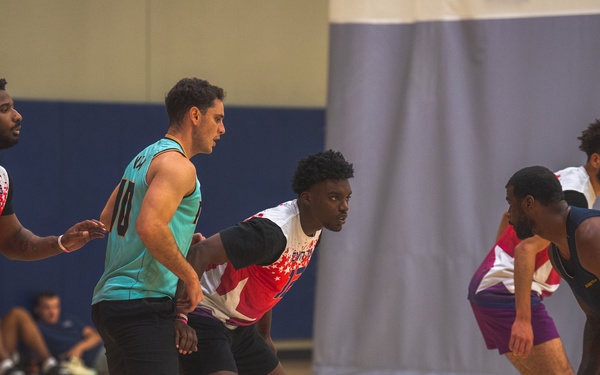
521 338
186 340
82 233
75 351
197 237
192 295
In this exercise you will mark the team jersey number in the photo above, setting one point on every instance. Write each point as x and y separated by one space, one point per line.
294 276
122 207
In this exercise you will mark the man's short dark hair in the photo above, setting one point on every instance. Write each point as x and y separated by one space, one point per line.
2 84
539 182
590 139
41 295
188 93
326 165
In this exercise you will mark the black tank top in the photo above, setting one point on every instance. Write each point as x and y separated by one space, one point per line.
584 284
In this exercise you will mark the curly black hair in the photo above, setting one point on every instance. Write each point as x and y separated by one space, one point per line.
539 182
326 165
2 84
188 93
590 139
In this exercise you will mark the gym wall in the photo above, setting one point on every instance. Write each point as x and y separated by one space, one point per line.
89 79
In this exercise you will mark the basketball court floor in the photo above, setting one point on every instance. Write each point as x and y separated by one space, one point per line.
297 366
295 356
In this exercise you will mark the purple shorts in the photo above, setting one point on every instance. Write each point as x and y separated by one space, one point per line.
496 323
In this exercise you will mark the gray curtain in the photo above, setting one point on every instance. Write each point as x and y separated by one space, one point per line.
436 116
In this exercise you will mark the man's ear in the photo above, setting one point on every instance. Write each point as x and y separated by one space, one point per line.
595 160
528 203
305 197
195 115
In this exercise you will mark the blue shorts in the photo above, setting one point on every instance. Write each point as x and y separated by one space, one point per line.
241 350
496 324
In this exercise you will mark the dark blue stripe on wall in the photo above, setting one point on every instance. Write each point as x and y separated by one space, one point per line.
71 156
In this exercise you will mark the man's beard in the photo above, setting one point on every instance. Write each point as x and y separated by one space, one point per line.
7 142
524 229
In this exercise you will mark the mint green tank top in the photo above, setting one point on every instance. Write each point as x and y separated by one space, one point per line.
130 270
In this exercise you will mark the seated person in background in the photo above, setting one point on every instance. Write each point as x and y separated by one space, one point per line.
68 338
17 326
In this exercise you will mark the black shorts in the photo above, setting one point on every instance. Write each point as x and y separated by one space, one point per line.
241 350
139 335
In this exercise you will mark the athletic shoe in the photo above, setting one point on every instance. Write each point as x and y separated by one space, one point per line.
14 371
76 367
57 370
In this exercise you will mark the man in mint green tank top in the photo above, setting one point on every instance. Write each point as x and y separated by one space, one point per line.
151 217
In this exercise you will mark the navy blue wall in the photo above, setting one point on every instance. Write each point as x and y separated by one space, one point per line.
71 156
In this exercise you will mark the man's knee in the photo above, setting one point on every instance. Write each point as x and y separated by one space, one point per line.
548 358
19 314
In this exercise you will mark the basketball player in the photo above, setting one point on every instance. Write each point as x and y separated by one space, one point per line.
151 216
247 269
17 242
510 311
537 207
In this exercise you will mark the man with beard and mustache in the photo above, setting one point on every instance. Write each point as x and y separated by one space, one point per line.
247 269
19 243
537 207
507 289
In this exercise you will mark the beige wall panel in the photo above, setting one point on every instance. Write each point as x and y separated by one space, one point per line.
73 49
263 52
394 11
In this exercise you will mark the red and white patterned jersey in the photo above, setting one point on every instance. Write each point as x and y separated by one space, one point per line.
577 179
4 187
493 285
240 297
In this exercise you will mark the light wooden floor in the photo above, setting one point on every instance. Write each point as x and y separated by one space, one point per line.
297 366
295 356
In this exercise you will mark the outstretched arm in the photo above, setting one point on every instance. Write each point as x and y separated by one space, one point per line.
587 239
521 337
202 253
19 243
590 361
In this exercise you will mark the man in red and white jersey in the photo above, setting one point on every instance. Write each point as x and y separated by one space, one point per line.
247 269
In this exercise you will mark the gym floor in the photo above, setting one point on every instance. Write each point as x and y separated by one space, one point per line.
297 366
295 356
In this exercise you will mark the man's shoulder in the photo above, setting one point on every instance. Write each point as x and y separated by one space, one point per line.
577 179
572 173
280 214
4 178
